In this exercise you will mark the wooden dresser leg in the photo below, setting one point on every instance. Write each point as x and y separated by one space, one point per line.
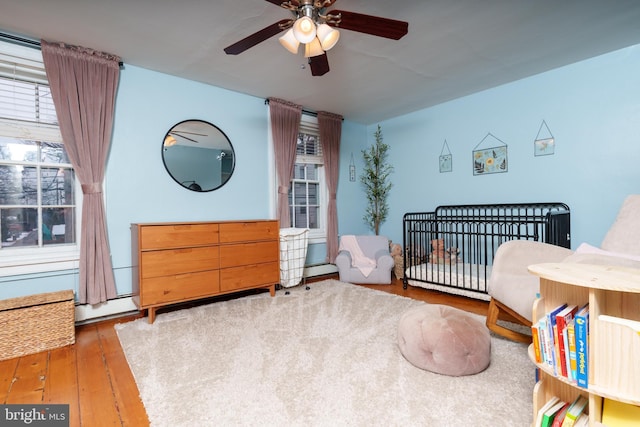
272 290
152 314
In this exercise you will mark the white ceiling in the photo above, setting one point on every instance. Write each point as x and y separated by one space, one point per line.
454 47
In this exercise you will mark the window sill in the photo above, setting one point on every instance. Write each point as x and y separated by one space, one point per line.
18 266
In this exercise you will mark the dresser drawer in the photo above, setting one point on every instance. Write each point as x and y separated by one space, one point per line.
249 231
249 276
248 253
177 235
180 287
178 261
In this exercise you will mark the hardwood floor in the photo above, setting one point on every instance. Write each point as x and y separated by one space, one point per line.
93 376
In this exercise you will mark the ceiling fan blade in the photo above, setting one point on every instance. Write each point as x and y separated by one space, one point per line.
319 65
281 2
374 25
257 37
185 137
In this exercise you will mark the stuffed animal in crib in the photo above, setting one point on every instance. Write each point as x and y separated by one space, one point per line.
395 249
453 255
437 255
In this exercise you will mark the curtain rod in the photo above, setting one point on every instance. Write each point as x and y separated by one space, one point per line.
23 41
304 111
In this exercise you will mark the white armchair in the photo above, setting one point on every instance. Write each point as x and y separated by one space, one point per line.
513 289
364 259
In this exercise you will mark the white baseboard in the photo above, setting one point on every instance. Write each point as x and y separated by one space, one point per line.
119 306
320 270
110 308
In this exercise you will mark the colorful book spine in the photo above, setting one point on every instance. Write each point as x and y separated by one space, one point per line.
582 347
567 359
562 320
544 341
571 339
559 418
575 410
552 331
535 339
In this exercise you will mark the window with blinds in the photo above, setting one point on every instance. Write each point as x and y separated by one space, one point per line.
37 182
306 192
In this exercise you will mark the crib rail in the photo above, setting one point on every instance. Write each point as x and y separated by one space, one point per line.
472 234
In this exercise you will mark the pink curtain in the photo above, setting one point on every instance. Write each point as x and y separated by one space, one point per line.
285 122
83 86
330 126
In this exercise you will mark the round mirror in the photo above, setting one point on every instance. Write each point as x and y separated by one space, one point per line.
198 155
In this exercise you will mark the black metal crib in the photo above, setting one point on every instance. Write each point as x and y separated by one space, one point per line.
451 249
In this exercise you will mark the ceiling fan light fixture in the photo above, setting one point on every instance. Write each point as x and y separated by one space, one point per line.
314 48
328 36
304 29
289 42
169 141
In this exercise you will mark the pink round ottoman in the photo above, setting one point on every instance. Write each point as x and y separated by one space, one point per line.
444 340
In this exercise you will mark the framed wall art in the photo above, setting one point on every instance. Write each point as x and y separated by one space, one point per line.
490 156
545 143
446 159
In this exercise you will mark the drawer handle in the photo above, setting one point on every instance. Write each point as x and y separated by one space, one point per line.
184 251
182 227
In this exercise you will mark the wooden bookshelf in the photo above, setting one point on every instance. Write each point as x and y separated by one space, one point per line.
614 347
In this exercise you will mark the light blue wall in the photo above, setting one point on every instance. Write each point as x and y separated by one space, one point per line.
592 109
137 186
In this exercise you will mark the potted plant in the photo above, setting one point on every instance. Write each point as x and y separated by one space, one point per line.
375 178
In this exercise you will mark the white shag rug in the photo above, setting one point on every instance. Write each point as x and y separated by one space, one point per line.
327 356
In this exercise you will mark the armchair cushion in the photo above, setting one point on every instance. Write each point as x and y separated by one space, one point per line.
624 234
377 266
513 289
510 281
587 254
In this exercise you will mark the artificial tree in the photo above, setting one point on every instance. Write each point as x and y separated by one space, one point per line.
375 178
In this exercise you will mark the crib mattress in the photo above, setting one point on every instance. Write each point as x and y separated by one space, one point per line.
464 279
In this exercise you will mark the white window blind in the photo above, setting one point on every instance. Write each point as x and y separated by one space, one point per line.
26 105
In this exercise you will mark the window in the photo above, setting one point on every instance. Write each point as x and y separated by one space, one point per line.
307 191
38 188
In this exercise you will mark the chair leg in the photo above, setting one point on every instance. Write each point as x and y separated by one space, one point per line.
495 307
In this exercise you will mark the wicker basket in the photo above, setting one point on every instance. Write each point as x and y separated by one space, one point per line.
36 323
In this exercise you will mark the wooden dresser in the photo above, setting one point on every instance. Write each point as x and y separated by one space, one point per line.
183 261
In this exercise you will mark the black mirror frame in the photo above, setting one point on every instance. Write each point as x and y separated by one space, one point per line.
193 185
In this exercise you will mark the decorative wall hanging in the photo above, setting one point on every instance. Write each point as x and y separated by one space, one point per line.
489 156
446 158
352 170
545 143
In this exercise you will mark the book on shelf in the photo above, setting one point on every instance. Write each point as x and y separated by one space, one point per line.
582 421
551 339
571 340
620 414
544 341
550 414
582 346
558 418
535 339
576 409
545 408
563 318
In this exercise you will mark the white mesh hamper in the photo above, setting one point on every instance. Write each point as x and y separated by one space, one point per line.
293 252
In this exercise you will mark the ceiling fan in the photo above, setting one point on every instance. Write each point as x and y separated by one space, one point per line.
170 139
315 27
